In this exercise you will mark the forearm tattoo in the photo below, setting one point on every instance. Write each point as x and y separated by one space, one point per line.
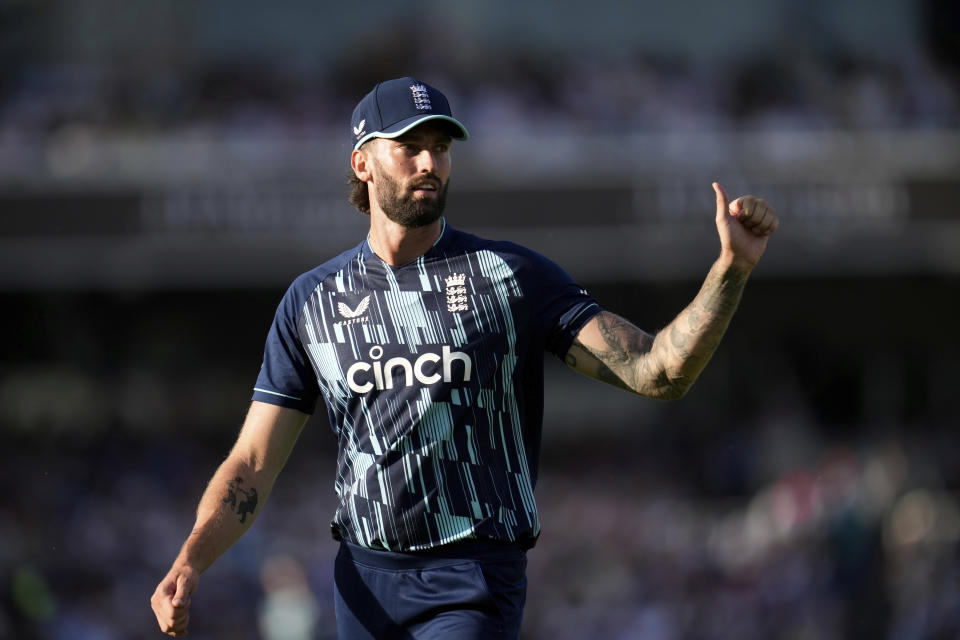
695 334
697 331
241 501
666 366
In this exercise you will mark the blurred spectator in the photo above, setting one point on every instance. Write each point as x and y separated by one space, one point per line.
289 610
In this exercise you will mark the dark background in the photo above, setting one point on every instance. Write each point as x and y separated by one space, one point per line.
166 169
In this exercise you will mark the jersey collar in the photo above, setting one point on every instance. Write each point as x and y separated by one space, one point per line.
366 251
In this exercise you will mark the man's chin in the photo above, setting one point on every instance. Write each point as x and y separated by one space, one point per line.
416 217
422 220
413 210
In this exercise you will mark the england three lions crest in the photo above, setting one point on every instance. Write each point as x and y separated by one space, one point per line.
456 292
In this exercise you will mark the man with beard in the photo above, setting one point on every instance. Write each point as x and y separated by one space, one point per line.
426 344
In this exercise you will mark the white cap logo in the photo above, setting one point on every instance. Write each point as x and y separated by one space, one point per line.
421 99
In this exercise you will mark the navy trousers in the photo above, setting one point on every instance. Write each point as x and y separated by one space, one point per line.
472 592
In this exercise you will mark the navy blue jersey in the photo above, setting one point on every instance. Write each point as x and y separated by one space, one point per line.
432 374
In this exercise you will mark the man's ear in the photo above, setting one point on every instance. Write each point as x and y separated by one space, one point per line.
360 162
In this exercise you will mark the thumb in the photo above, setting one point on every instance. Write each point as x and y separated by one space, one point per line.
182 597
722 201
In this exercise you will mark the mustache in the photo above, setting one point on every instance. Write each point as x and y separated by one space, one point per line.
428 179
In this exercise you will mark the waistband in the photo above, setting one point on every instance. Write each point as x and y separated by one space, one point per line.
464 550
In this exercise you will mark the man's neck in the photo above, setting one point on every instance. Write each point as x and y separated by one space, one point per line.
398 245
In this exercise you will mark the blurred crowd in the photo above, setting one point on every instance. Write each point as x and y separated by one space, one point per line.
861 545
507 90
846 549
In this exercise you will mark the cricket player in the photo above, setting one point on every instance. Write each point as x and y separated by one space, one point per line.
426 345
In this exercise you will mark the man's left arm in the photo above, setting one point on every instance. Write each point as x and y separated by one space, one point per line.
665 366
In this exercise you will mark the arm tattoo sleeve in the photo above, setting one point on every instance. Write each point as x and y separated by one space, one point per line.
624 344
693 336
666 366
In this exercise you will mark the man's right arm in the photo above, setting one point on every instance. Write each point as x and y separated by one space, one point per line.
231 502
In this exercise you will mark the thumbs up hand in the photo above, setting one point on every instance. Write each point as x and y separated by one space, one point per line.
744 226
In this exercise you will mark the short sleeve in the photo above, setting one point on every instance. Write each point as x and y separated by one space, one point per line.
286 377
563 308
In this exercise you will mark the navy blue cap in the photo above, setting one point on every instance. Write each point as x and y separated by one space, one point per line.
395 106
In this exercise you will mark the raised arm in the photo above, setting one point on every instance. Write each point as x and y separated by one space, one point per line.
231 502
611 349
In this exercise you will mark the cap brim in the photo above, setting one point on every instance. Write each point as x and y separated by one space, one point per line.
398 129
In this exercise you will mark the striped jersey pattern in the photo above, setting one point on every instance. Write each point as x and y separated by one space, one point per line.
432 375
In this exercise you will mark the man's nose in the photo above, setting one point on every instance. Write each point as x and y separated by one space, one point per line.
426 161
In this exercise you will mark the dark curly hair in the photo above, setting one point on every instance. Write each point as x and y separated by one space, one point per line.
359 195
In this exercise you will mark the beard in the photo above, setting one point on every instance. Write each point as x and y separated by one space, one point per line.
401 206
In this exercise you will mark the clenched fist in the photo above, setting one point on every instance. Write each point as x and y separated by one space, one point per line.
171 600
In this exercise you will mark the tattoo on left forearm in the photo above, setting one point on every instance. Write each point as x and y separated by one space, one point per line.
664 366
695 334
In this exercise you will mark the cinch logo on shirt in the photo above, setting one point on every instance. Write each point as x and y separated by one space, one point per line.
358 376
